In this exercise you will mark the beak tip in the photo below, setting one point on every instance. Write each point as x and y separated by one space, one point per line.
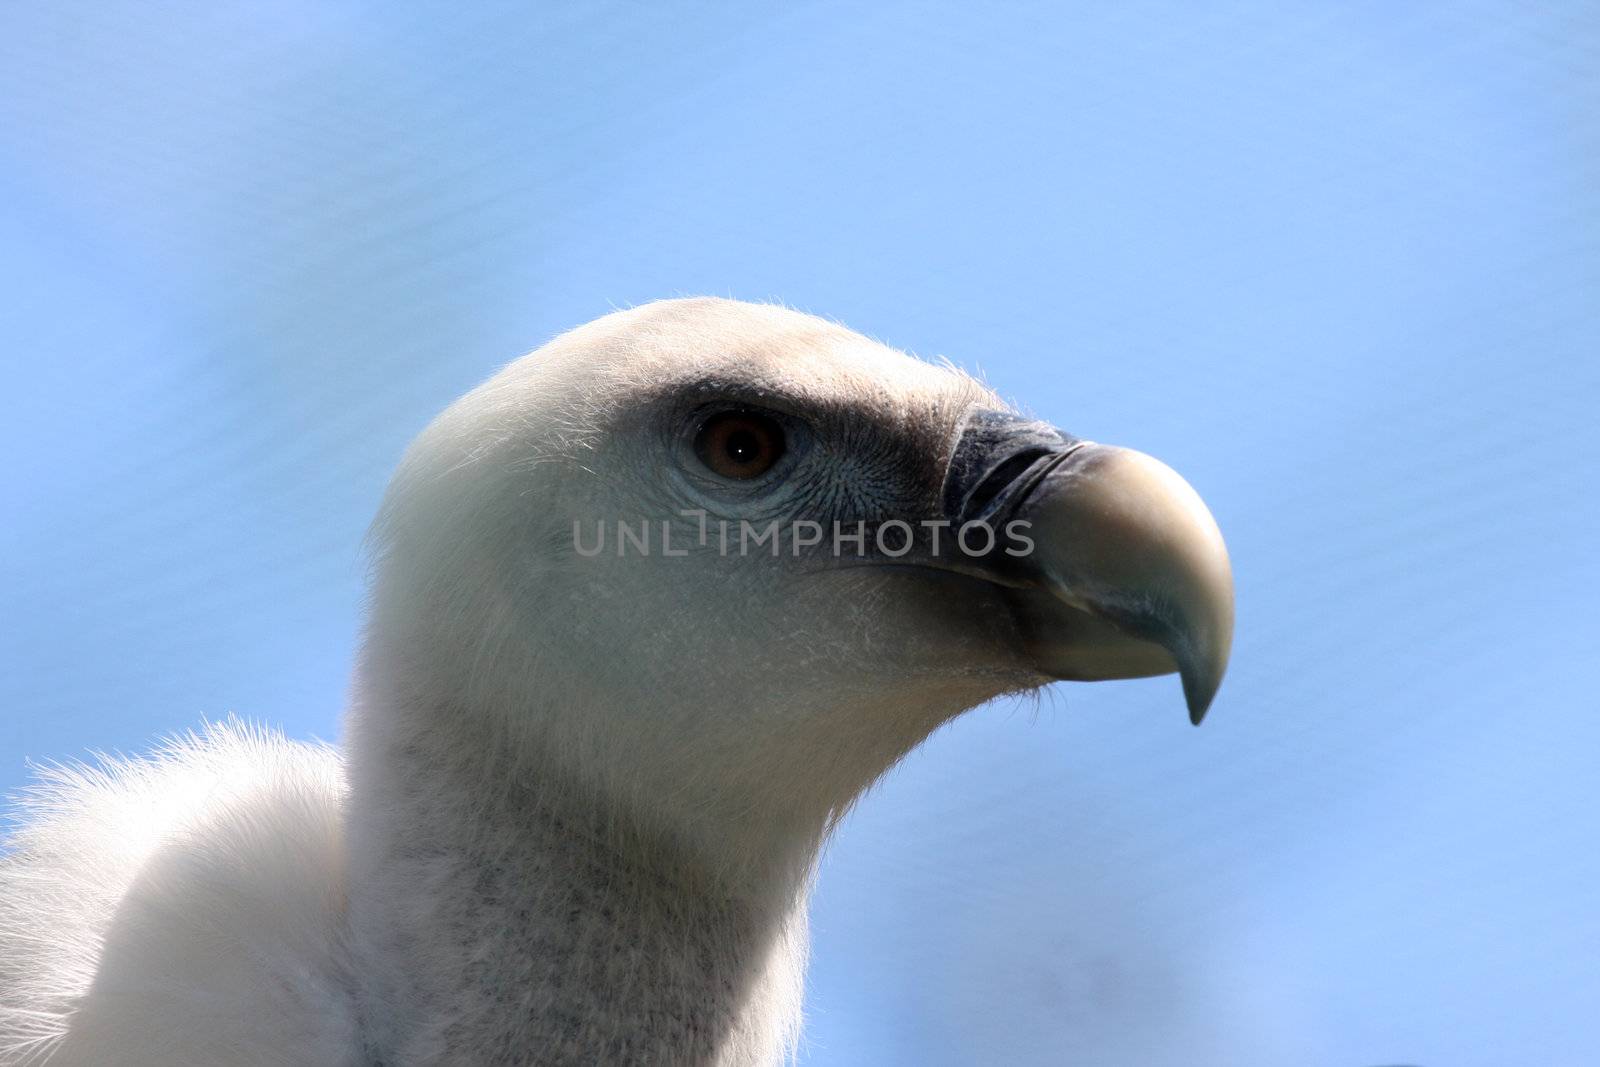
1202 673
1198 698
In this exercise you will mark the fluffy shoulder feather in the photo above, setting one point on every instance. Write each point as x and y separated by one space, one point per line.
185 908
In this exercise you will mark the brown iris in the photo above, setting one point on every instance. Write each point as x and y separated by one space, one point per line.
739 444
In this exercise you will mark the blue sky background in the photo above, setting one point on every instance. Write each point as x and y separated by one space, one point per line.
1338 264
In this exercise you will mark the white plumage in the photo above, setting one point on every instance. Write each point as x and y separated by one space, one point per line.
582 796
211 870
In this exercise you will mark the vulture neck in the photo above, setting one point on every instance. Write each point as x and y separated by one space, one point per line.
500 917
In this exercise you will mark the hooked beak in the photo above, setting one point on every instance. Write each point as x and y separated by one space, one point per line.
1120 570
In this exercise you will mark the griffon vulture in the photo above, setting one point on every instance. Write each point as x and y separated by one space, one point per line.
650 608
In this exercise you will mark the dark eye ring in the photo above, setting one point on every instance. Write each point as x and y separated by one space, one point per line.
740 445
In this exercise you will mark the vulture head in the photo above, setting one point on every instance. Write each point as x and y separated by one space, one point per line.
719 565
650 609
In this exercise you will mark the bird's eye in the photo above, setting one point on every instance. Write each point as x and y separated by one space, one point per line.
740 444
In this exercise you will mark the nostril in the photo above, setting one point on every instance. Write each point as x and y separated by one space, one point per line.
995 482
997 457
